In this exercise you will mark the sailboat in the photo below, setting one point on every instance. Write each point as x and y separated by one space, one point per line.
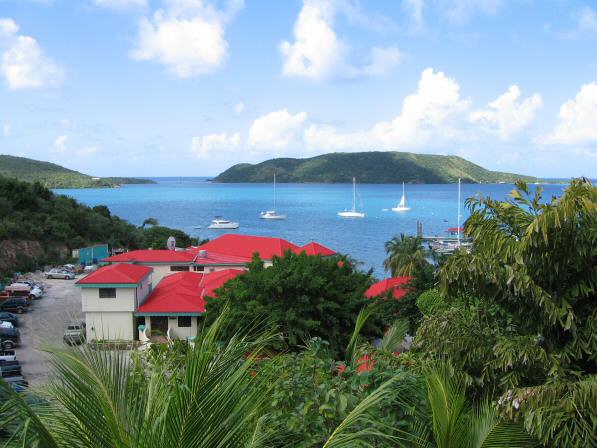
272 214
401 207
352 213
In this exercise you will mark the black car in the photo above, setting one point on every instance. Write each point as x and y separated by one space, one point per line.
9 337
17 304
10 370
9 317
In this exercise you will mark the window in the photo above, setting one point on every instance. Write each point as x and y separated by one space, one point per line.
107 293
179 268
199 268
184 321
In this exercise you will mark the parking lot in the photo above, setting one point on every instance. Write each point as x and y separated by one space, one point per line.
43 326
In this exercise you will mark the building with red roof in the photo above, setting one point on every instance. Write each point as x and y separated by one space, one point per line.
314 248
109 298
397 285
119 297
179 299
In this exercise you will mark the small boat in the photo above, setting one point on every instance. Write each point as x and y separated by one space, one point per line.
220 223
401 207
352 213
272 214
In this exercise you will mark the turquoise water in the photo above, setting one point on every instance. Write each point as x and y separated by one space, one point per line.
188 202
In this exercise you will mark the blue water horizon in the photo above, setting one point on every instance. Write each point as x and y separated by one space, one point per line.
187 202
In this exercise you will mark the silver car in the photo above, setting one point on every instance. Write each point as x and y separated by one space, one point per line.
60 273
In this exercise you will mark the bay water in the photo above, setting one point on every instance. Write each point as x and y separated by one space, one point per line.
185 203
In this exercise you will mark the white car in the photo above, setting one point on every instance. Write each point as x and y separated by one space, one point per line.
60 273
35 291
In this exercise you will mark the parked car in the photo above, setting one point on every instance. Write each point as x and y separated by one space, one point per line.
18 383
60 273
10 368
17 304
31 283
74 334
8 355
9 317
9 337
24 290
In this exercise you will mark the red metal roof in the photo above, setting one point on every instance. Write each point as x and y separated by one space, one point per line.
314 248
153 256
185 292
247 245
213 258
395 284
455 229
117 274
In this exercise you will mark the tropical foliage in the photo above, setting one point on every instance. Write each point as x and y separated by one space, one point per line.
406 256
303 296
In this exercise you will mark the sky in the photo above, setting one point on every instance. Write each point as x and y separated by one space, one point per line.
191 87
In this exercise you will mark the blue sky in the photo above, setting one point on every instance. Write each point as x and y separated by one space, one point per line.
190 87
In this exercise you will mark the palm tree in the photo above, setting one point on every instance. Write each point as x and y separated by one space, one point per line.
103 399
406 256
149 222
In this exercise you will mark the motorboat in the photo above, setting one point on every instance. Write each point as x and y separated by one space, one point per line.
272 214
402 207
353 213
220 223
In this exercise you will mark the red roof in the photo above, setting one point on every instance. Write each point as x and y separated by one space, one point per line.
314 248
184 292
247 245
455 229
117 274
214 258
395 284
153 256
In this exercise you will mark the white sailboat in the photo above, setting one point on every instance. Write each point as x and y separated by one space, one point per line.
352 213
272 214
223 224
401 207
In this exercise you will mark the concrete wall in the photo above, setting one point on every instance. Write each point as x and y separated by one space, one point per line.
124 301
175 330
110 325
143 290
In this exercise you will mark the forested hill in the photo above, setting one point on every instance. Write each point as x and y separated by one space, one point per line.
38 226
369 167
51 175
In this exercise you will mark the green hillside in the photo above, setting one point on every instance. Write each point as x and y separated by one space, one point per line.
51 175
369 167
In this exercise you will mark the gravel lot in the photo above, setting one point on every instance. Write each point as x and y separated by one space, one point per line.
44 325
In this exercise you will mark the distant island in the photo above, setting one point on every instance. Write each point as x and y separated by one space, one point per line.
51 175
369 167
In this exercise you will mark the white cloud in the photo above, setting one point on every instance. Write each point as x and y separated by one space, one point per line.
215 145
414 9
120 5
276 130
585 23
239 108
6 130
88 150
24 65
187 36
60 145
426 117
318 53
577 120
508 114
461 11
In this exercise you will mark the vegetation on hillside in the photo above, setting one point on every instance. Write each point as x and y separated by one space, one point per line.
31 212
51 175
368 167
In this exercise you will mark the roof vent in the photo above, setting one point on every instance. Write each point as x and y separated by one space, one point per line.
203 253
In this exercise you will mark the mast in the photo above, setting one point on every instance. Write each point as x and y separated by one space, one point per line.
458 228
274 191
354 194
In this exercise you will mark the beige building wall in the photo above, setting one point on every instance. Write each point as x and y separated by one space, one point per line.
116 325
143 290
175 330
124 301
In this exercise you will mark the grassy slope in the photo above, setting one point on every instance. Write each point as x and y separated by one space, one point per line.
51 175
368 167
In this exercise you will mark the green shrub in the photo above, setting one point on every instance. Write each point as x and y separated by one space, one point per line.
430 302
